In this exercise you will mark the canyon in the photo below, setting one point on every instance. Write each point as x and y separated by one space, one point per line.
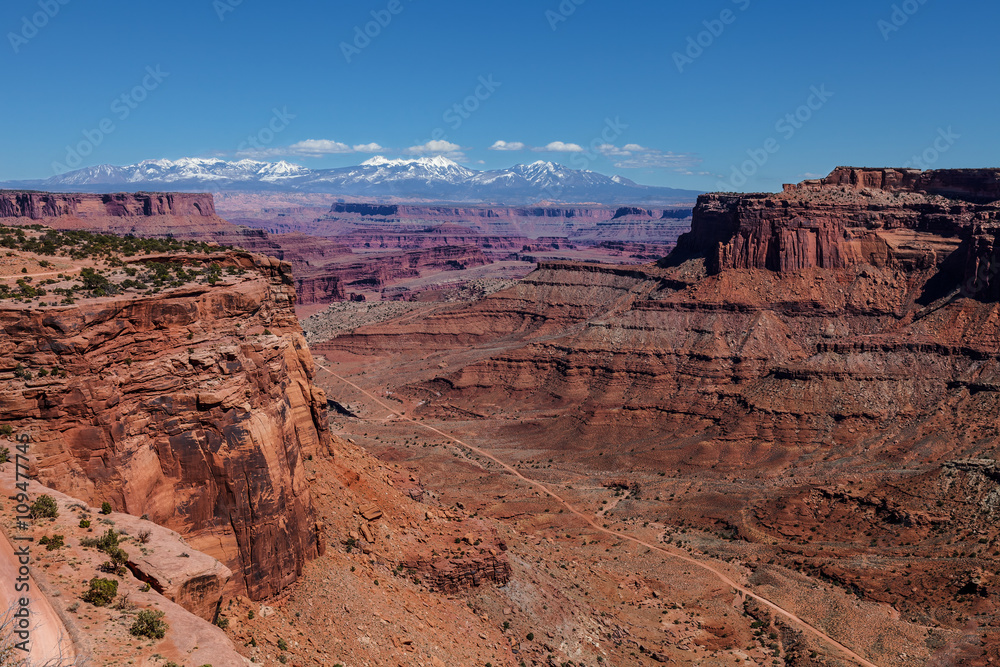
776 444
805 388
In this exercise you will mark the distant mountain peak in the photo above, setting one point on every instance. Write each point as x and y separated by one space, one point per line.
435 161
435 178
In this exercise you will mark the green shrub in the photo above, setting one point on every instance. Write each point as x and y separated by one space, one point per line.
44 508
101 592
105 507
6 429
106 542
117 563
52 543
222 622
282 645
84 523
149 623
4 454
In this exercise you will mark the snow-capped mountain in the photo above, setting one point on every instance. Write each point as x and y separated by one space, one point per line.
426 178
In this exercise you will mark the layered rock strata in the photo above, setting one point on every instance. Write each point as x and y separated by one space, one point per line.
194 407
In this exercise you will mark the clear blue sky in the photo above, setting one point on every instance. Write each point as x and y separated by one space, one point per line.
559 81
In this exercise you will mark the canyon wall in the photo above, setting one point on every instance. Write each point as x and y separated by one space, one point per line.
854 216
147 214
194 407
819 368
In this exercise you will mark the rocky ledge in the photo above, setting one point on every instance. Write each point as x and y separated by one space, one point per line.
194 406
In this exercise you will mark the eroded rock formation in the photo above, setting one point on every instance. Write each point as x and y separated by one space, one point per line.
820 365
194 407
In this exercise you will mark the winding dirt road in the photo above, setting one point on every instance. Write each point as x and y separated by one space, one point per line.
680 556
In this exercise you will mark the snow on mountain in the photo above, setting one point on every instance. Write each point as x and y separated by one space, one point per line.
425 178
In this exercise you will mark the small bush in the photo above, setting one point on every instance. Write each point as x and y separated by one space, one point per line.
44 508
4 454
149 623
6 429
101 592
145 588
144 536
52 543
84 523
530 636
282 645
117 563
105 507
222 622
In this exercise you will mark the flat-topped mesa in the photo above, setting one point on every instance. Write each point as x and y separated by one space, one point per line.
899 218
146 214
42 205
974 185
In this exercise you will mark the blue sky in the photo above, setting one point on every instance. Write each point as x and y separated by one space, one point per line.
619 87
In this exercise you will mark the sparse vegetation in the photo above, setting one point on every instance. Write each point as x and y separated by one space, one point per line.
52 543
149 623
44 507
101 592
105 507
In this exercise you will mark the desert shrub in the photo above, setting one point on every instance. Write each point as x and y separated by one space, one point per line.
144 536
222 622
44 507
117 563
6 429
101 592
105 507
4 454
149 623
106 542
52 543
84 523
282 645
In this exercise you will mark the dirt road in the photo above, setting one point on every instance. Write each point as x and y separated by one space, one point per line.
670 553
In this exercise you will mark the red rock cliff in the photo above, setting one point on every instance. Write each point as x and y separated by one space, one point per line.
194 407
880 217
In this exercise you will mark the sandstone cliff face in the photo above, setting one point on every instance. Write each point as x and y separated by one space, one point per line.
147 214
181 407
885 217
832 335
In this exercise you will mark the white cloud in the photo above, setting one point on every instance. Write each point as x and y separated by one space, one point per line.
560 147
310 148
437 147
318 148
507 146
649 158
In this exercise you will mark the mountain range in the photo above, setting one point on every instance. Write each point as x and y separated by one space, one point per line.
426 178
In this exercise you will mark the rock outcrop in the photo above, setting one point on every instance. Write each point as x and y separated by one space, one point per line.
885 217
195 407
818 366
